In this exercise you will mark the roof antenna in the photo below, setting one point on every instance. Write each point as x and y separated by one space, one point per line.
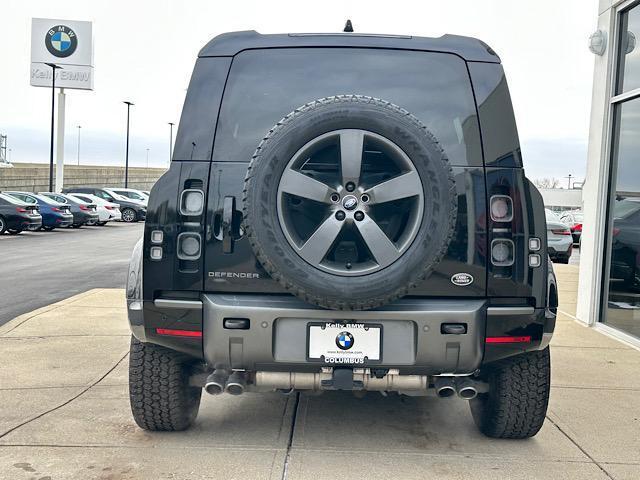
348 28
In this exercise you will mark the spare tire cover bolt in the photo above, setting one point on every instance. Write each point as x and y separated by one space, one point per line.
340 215
350 186
359 216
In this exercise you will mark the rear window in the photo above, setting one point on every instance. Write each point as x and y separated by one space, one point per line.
11 199
47 200
265 85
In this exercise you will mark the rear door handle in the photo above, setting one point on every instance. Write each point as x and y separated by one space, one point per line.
228 208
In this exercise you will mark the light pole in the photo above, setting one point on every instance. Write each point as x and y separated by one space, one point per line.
79 127
126 161
53 108
171 124
569 177
9 155
147 158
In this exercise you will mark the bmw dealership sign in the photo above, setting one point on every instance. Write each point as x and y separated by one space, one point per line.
68 44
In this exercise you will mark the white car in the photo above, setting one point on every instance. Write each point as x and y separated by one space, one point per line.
559 239
107 211
131 194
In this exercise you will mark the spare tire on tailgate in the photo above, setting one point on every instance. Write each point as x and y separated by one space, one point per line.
349 202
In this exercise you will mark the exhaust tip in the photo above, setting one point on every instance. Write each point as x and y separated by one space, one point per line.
444 387
235 389
236 384
214 388
468 393
447 391
215 383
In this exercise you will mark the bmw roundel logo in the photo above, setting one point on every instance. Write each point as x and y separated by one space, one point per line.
61 41
344 341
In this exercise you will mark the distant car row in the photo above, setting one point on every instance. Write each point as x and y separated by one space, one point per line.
563 231
74 208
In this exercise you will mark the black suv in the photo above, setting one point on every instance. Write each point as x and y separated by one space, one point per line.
344 212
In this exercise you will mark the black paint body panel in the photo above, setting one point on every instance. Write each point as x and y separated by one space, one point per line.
228 266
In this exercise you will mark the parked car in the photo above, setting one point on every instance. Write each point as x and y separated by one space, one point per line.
559 239
107 211
16 216
132 211
573 219
625 246
83 213
54 214
339 242
131 194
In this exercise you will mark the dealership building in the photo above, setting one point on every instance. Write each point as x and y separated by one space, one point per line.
609 277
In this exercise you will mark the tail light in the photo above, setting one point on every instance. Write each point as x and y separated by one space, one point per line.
109 207
561 231
502 252
84 207
191 202
189 246
577 227
501 208
21 210
55 209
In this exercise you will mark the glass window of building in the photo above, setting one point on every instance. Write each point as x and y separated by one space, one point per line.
621 307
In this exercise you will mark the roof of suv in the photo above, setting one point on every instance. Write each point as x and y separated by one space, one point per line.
229 44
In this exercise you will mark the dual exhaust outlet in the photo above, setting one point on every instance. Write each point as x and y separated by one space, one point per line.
464 387
221 381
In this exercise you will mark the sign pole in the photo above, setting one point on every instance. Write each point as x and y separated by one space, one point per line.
53 110
60 142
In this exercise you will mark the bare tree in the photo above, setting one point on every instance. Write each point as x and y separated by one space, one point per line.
547 182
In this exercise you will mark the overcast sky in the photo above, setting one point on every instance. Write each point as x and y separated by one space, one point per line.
144 52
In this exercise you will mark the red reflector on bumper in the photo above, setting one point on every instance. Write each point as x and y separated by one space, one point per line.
526 339
178 333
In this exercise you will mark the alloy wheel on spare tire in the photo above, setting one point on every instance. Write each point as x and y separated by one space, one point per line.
128 215
349 202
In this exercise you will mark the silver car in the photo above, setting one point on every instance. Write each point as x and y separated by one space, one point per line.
559 239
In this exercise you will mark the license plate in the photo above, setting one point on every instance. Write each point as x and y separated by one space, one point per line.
350 343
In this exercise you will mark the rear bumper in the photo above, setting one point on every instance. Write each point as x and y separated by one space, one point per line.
413 340
560 246
25 222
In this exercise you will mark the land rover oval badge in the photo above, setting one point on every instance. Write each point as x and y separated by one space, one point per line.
462 279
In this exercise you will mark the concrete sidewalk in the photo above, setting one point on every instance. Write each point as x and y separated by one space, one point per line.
65 415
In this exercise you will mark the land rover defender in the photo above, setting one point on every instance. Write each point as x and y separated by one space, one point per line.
344 212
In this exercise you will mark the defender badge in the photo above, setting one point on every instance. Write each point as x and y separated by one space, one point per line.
61 41
462 279
344 341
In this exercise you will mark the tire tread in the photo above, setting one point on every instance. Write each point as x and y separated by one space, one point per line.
161 398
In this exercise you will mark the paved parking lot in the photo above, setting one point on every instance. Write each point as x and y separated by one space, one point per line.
65 415
35 266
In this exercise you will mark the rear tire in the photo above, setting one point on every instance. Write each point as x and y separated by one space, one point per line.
14 231
48 229
159 392
516 404
3 225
